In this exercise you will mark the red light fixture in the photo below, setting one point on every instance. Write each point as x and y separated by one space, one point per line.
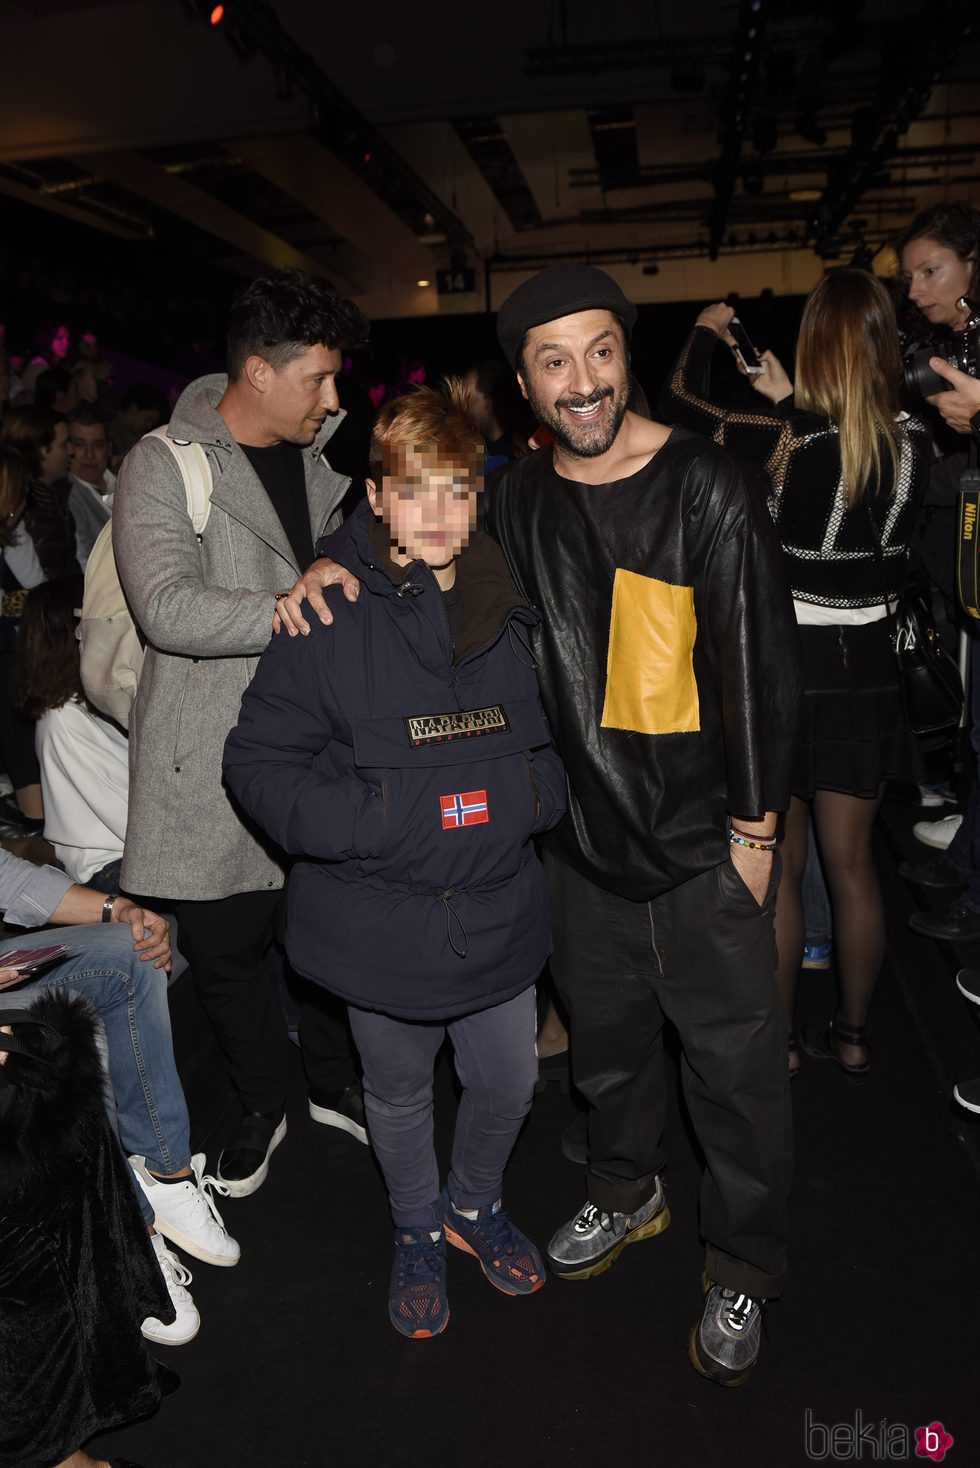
217 15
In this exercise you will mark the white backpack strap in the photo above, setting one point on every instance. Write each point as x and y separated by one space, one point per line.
195 471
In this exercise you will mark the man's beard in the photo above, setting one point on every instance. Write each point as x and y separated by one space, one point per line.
589 440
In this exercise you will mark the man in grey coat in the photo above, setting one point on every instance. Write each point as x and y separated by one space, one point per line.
205 605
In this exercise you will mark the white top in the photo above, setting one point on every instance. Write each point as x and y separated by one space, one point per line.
815 614
84 763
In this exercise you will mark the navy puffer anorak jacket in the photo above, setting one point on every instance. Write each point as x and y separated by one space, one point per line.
409 773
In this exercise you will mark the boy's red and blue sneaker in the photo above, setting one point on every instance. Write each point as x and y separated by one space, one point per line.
417 1303
507 1257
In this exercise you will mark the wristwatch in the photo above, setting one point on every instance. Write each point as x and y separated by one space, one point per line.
108 905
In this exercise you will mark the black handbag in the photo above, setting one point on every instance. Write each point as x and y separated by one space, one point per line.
928 677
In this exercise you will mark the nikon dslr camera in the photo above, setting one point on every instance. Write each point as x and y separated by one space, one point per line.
960 349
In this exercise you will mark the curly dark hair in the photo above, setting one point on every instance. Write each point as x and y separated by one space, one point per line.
956 226
47 668
280 314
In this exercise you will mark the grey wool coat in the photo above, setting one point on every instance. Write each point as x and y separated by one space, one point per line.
205 608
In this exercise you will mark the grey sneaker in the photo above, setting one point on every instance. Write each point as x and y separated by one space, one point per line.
724 1345
589 1243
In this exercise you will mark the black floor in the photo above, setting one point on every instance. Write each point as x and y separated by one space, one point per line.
296 1363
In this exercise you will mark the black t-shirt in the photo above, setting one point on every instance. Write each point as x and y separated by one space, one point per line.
280 468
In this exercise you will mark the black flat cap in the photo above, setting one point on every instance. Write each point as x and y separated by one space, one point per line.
560 290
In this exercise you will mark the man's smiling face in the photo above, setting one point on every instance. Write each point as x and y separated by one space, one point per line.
574 372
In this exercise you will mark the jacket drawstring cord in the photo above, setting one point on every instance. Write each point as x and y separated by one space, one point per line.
515 633
452 916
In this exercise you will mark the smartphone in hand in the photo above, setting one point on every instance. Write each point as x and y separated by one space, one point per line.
29 962
743 348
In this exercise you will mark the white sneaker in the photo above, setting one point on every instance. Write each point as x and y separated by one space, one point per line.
185 1212
188 1321
937 833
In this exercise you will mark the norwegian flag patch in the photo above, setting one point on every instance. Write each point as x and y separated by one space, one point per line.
468 809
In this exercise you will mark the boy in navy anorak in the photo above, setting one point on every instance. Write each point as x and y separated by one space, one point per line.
408 766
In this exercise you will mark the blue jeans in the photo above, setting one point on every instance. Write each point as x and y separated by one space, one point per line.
130 998
497 1065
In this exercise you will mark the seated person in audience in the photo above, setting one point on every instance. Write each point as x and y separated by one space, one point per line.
41 438
141 408
83 756
77 1275
92 481
20 569
120 971
52 344
418 897
57 391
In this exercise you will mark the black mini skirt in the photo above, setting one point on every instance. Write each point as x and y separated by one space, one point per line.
853 735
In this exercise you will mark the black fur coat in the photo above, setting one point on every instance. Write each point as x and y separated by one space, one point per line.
77 1274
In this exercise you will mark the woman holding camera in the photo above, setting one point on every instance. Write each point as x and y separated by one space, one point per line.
846 471
939 254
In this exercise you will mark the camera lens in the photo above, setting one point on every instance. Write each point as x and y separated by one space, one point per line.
920 380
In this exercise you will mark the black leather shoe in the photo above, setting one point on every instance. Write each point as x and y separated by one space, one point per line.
244 1165
957 924
932 871
343 1110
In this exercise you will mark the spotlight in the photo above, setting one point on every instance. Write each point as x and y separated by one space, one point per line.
423 283
217 15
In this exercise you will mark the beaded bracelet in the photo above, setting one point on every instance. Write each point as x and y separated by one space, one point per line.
752 845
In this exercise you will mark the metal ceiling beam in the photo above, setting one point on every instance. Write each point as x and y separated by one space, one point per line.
778 164
908 76
139 176
91 217
339 125
296 163
747 52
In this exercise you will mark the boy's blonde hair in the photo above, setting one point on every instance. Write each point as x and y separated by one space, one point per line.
424 420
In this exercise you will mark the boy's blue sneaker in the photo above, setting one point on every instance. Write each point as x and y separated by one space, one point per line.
507 1257
816 955
417 1303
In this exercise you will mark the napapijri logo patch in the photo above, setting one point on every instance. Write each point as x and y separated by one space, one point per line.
465 724
468 809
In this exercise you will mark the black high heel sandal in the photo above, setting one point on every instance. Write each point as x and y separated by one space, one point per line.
819 1044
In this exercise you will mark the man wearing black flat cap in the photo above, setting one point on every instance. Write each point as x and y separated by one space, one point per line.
668 666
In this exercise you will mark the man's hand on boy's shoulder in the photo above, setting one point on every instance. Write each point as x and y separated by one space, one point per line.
309 587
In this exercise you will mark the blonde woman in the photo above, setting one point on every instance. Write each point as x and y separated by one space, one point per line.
846 471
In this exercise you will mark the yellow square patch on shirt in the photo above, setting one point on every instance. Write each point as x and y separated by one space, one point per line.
650 683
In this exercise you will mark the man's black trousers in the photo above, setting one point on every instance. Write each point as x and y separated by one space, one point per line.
227 943
703 957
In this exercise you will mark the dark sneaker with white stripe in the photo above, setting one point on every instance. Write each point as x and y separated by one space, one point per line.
341 1109
592 1241
243 1166
724 1345
967 1094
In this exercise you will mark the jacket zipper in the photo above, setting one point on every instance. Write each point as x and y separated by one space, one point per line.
534 790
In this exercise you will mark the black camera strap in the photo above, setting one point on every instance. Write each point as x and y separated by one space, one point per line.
968 540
